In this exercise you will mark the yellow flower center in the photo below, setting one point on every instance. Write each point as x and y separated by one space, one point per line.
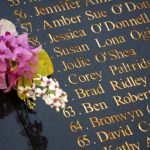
13 64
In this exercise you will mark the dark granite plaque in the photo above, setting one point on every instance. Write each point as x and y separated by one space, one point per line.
101 57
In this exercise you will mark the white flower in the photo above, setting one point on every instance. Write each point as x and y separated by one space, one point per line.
57 104
40 92
23 90
48 90
52 85
42 79
56 101
27 92
32 88
7 26
64 98
32 91
58 92
48 100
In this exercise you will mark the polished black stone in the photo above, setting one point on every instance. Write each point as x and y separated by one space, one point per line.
44 128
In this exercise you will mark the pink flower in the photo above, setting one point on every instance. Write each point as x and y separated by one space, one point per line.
20 41
8 41
3 65
17 58
22 55
12 79
35 52
29 72
3 84
4 51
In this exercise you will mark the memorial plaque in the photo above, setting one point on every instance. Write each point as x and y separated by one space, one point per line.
101 57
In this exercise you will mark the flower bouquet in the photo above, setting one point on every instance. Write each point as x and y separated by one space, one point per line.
26 69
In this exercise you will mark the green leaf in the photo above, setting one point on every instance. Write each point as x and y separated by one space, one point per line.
45 66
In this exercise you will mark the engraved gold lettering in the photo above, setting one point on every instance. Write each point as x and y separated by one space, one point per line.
138 35
78 63
67 36
95 15
110 42
132 6
113 135
83 93
93 2
75 79
129 82
130 98
62 6
62 21
144 126
127 67
116 118
60 51
88 108
142 19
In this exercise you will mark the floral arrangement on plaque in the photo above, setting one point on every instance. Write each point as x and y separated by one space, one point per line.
26 69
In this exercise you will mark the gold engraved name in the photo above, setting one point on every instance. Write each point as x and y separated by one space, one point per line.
138 35
110 42
133 6
76 64
88 107
67 36
75 79
92 15
116 118
63 6
94 2
131 98
83 93
62 21
144 126
124 146
114 55
61 51
126 67
104 136
128 82
141 19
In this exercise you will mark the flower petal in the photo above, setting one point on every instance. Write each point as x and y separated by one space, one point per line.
3 84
